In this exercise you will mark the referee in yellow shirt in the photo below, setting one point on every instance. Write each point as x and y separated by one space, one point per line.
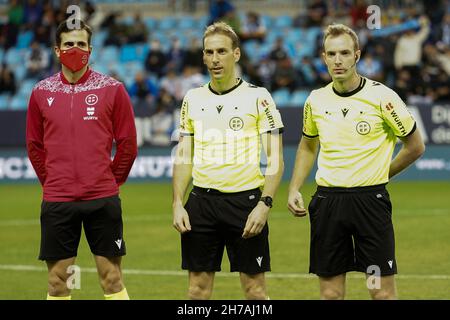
223 125
356 122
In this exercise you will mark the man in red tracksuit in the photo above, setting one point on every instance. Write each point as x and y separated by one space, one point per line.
73 119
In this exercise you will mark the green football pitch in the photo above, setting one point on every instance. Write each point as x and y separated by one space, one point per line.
152 265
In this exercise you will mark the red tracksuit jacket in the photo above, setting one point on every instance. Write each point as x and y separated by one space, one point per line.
70 133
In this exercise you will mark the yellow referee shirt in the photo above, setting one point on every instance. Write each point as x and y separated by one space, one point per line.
357 132
226 128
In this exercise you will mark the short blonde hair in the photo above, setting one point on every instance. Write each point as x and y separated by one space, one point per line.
334 30
224 29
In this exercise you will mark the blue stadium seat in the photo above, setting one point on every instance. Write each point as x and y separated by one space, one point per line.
14 56
20 72
19 102
4 101
26 87
298 98
267 21
296 35
312 33
304 48
150 23
282 98
128 53
142 51
101 67
135 66
98 38
24 39
186 22
202 23
110 54
167 23
282 22
273 34
127 20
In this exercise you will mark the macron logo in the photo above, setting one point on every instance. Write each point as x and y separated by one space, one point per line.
259 260
118 242
50 101
390 263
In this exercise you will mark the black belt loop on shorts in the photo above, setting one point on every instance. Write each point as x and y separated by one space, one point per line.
378 187
217 192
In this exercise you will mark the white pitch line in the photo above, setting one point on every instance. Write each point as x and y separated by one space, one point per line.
167 216
8 267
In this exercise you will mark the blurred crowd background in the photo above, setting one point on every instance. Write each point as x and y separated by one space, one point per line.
155 48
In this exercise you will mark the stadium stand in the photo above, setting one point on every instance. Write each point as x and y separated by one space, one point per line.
121 51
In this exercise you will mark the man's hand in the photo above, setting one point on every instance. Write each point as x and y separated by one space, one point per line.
181 219
256 220
296 205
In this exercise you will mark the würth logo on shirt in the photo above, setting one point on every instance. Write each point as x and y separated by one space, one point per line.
90 111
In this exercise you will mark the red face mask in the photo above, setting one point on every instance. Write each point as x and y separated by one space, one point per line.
74 58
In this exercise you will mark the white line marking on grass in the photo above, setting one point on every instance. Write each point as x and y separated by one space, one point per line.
168 216
11 267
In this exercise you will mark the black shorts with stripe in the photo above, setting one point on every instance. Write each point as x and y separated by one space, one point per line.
61 224
217 221
351 230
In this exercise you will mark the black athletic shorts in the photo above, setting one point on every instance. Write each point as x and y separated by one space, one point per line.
61 228
218 221
351 230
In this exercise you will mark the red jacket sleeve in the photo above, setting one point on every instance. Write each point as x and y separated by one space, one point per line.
124 134
35 138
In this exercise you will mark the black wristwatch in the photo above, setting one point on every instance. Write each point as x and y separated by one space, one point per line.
267 201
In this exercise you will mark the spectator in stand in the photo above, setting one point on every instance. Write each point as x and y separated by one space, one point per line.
137 32
143 93
175 56
358 13
278 52
306 73
7 81
194 55
33 13
190 79
162 120
218 9
384 51
42 34
37 62
408 51
253 28
371 67
443 34
171 83
284 76
233 20
265 70
117 31
338 12
156 59
403 84
15 14
317 11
